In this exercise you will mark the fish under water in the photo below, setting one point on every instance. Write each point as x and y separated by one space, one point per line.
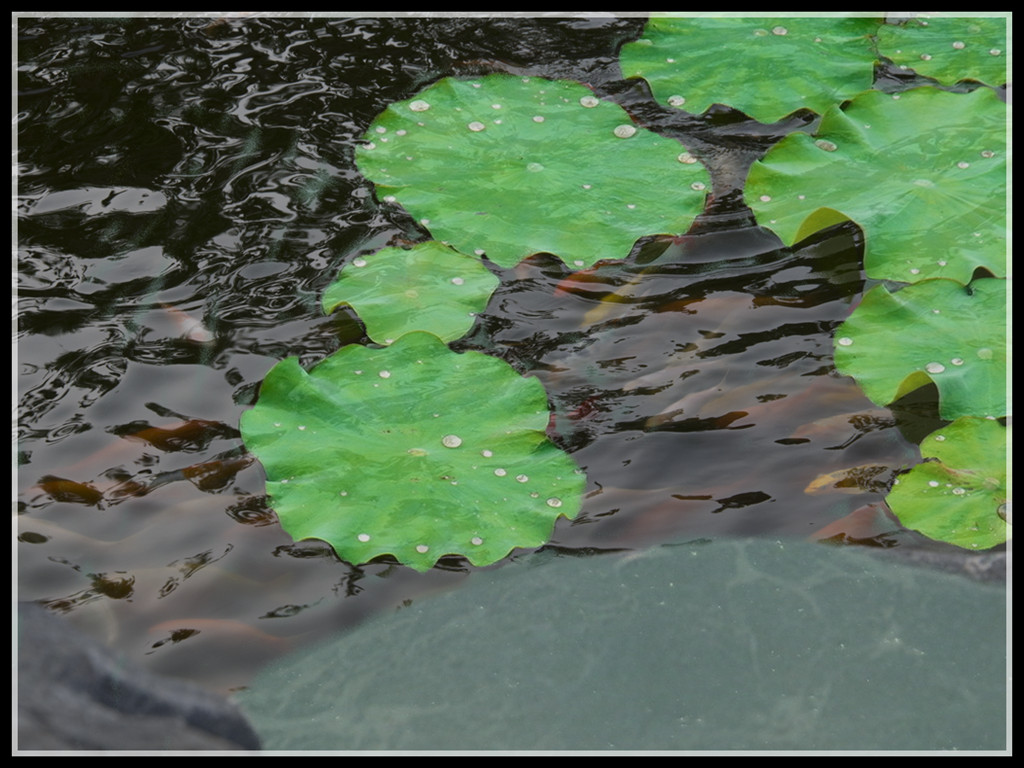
694 383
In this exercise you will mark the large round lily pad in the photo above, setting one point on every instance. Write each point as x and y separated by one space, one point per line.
411 450
923 173
429 287
959 493
932 331
949 49
764 67
511 166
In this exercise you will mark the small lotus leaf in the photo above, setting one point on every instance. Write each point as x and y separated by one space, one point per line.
511 166
960 495
924 175
429 287
764 67
948 49
411 450
932 331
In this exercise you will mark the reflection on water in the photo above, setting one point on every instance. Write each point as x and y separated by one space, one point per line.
187 191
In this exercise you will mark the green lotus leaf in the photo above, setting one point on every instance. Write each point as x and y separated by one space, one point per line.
924 175
411 450
764 67
511 166
429 287
948 49
932 331
960 495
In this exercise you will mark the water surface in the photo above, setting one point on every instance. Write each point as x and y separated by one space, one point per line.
187 191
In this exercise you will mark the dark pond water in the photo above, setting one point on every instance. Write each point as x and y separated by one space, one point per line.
186 192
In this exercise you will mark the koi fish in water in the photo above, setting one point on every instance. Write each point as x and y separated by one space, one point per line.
188 327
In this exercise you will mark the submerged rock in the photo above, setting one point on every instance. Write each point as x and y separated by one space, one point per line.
74 694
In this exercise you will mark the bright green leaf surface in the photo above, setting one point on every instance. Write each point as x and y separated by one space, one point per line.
764 67
962 496
511 166
411 450
949 49
923 175
429 287
935 330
